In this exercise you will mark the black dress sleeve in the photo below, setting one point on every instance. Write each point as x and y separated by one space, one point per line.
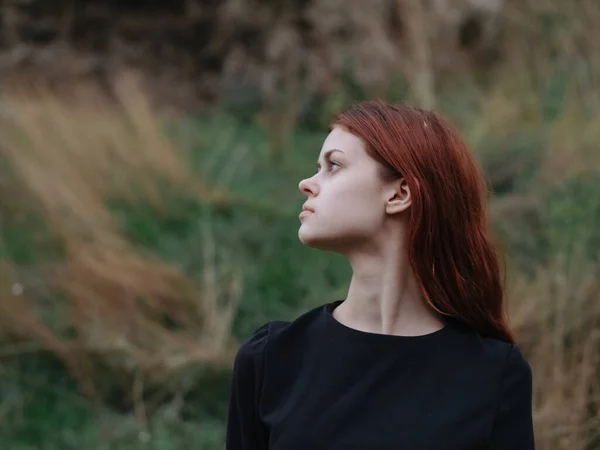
513 424
244 428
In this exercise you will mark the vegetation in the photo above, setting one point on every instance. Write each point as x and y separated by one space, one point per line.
137 249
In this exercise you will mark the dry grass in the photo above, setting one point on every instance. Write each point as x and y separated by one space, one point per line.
557 320
557 314
69 157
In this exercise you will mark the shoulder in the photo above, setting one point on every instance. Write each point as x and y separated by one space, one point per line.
511 362
253 348
512 424
489 350
506 355
510 367
273 333
516 362
516 371
487 360
496 367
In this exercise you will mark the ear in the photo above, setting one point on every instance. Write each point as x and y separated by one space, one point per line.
398 197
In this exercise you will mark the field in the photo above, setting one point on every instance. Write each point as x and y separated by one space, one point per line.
138 249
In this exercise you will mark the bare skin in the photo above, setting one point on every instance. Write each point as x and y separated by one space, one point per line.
351 210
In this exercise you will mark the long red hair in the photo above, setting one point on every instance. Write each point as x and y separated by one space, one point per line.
449 246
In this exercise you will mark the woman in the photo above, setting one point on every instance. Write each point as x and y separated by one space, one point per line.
419 354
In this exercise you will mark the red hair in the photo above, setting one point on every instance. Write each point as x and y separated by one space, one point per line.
449 245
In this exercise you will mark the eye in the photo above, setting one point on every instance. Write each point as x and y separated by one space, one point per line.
333 165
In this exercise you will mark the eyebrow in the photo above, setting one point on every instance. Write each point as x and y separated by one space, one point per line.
328 153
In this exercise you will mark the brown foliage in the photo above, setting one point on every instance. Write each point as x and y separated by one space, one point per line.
557 318
70 157
192 51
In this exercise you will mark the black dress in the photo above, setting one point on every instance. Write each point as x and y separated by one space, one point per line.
316 384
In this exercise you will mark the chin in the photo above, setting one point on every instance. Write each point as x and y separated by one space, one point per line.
305 237
326 243
309 239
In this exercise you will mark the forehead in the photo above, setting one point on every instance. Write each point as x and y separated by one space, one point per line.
340 139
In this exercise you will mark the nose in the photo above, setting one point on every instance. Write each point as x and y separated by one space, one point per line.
308 187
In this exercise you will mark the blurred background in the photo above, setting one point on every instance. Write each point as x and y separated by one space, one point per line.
149 158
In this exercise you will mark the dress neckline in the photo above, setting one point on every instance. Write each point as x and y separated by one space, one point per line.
353 332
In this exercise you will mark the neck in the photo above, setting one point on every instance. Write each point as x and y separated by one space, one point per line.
384 296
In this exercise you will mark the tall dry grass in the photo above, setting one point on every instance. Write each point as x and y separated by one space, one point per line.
557 318
105 300
556 312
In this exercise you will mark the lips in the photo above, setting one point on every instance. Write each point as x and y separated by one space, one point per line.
306 211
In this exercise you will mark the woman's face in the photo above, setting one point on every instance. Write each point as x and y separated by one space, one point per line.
347 199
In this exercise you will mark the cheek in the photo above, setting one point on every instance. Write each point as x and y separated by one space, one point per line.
358 203
341 227
363 216
348 211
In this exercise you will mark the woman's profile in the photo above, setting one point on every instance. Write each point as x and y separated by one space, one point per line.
419 354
